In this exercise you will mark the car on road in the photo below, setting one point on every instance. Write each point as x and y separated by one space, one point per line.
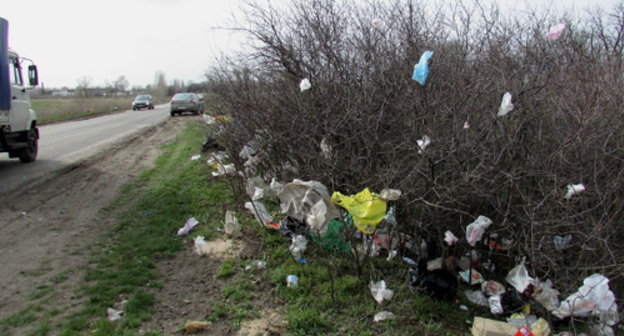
187 102
143 101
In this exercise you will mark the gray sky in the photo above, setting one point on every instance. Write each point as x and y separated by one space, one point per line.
70 39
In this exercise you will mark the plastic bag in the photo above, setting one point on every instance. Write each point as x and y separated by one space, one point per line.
476 297
195 157
298 197
316 217
496 306
546 295
366 208
384 315
562 242
259 211
390 194
380 292
334 238
423 143
114 314
188 226
593 297
475 230
574 189
519 277
326 149
232 226
201 247
305 85
506 106
554 33
297 247
421 70
450 238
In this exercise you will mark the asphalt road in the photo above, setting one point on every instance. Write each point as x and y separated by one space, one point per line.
65 144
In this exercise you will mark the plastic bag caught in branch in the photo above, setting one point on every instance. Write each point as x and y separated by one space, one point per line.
298 197
519 277
450 238
574 189
593 297
423 143
305 85
421 70
367 209
554 33
475 230
326 149
390 194
506 106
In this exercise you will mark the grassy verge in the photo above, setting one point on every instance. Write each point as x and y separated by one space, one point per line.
59 109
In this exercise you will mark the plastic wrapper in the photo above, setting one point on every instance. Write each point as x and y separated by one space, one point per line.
384 315
495 304
305 85
297 199
594 298
491 288
366 208
574 189
390 217
554 33
421 69
506 106
188 226
540 327
232 227
224 169
476 229
519 277
471 276
380 292
260 212
450 238
390 194
423 143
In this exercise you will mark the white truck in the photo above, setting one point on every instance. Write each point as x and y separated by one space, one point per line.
19 134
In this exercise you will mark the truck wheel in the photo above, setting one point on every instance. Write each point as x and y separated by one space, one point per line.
29 154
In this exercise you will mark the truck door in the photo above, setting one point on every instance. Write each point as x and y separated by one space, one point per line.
20 103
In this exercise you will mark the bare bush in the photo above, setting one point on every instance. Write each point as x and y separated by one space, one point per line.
566 127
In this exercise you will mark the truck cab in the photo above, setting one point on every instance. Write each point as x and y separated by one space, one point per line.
19 134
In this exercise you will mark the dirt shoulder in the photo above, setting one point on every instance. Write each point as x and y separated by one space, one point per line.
47 230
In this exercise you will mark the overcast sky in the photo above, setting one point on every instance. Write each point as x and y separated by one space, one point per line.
102 40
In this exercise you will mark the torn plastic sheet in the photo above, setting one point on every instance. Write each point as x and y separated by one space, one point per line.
423 143
384 315
297 247
421 69
475 230
260 212
380 292
326 149
276 186
519 277
305 85
554 33
390 194
562 242
299 197
495 304
546 295
450 238
232 227
367 209
188 226
506 106
594 297
114 314
574 189
201 247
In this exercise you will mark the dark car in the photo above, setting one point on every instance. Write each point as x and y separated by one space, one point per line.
187 102
143 101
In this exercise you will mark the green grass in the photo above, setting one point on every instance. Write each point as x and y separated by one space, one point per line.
161 200
59 109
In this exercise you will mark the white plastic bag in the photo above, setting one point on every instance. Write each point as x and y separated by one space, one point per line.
562 242
519 277
506 106
259 211
491 288
546 294
298 247
475 230
298 197
380 292
554 33
305 85
114 314
593 297
326 149
450 238
232 226
201 247
190 224
574 189
423 143
496 305
384 315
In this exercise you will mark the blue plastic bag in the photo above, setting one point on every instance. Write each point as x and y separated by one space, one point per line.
421 70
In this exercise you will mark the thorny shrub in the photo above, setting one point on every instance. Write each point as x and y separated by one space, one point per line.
566 127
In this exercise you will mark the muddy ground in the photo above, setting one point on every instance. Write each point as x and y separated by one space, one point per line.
46 232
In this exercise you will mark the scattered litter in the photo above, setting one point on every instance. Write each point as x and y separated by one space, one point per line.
276 186
574 189
466 124
475 277
594 298
325 149
257 264
366 208
421 70
380 292
193 327
524 331
190 224
114 314
377 23
305 85
506 106
208 119
201 247
24 213
297 247
476 297
492 287
601 329
495 304
259 211
562 242
540 327
391 255
545 294
384 315
227 169
519 277
292 281
195 157
475 230
450 238
554 33
334 238
297 199
486 327
423 143
390 194
232 227
463 307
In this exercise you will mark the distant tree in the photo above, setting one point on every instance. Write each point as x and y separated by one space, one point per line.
160 88
121 84
83 85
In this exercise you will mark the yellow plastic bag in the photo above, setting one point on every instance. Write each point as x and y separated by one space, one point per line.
367 209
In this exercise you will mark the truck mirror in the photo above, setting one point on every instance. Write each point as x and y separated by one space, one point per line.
33 76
